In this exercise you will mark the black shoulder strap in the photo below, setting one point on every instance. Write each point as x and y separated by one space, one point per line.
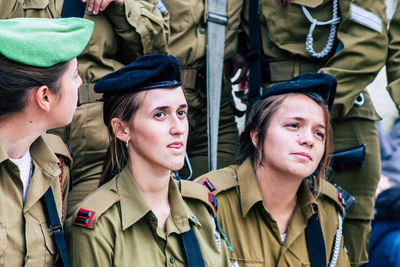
191 247
254 53
55 225
73 8
315 242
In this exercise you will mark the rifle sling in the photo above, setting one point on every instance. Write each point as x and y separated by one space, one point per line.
50 210
315 242
73 8
191 247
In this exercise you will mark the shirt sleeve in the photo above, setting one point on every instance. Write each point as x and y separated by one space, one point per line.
89 247
143 26
393 59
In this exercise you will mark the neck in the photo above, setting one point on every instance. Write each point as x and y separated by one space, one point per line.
279 194
18 132
154 184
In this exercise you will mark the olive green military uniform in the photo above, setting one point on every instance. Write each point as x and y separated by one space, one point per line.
356 58
393 59
25 236
121 229
254 234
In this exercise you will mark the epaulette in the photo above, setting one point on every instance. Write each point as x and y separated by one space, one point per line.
58 146
219 180
342 199
93 207
190 189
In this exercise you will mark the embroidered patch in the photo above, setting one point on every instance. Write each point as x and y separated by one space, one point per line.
213 201
210 186
84 217
366 18
340 199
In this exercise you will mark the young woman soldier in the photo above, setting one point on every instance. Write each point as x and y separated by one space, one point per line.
38 91
348 40
140 216
275 206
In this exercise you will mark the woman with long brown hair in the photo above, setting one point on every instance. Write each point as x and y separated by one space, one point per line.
275 205
141 216
39 83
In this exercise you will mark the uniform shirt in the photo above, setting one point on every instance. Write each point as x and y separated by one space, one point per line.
25 237
124 230
254 234
361 51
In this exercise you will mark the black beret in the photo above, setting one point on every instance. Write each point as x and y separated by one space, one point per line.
319 83
146 72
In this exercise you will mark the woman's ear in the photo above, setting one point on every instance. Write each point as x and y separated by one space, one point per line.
254 138
121 129
44 98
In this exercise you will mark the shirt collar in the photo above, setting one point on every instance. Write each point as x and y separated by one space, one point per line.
250 192
134 206
42 154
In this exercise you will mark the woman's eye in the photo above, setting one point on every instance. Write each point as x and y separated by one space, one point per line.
292 125
181 113
159 115
320 135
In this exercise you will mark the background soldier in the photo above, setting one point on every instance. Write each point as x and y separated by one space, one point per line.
346 39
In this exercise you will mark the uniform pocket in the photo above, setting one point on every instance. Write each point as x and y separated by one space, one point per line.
248 262
49 243
36 4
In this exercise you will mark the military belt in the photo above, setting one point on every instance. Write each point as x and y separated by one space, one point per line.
87 94
284 70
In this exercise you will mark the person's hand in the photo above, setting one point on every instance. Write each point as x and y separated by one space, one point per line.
95 6
239 64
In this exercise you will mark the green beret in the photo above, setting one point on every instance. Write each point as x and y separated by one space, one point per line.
44 42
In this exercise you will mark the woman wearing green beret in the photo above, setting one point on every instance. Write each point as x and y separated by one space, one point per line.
141 216
38 89
275 206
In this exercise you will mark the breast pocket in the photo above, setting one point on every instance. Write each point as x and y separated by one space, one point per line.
50 251
247 262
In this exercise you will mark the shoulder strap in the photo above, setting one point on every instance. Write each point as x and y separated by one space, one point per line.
254 54
193 255
50 210
342 199
73 8
315 242
58 146
194 190
218 181
93 207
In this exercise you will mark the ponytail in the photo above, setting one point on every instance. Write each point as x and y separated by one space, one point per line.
123 107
